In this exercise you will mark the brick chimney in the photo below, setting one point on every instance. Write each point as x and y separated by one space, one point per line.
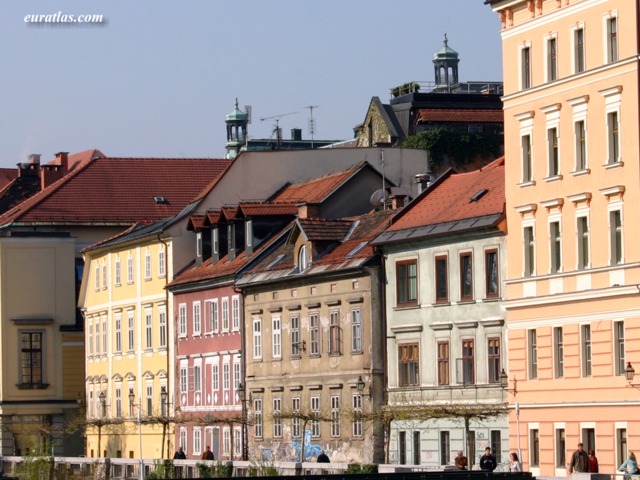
63 157
55 170
308 210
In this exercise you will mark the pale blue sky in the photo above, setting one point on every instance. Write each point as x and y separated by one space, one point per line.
159 77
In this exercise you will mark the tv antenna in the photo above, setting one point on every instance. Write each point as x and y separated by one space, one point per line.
311 122
276 128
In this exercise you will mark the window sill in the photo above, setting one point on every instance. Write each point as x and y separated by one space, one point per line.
491 299
32 386
528 183
441 304
613 165
553 178
467 301
580 173
335 354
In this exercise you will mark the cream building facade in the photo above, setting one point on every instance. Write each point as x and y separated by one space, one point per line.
572 187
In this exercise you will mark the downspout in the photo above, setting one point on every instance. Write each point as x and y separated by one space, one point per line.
166 302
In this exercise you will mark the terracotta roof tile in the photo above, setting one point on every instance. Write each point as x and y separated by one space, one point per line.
196 221
450 200
118 191
213 216
320 229
258 209
230 212
451 115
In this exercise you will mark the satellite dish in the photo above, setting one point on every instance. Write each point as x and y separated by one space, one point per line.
378 198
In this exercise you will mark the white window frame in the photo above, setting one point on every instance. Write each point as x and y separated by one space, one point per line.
235 313
225 314
104 274
613 103
118 273
130 269
214 316
276 337
182 320
529 249
555 218
553 36
197 318
277 419
162 265
607 18
197 440
215 375
162 326
226 374
525 81
614 232
356 330
257 337
184 376
574 48
148 324
579 116
197 376
118 335
583 218
131 325
526 131
147 265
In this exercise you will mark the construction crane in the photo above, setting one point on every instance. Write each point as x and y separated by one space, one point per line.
276 128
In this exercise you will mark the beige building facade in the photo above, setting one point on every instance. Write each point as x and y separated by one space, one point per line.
572 186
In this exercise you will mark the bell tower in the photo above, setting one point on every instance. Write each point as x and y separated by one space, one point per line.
445 63
236 122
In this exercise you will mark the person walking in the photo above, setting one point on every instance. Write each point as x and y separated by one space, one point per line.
180 455
514 463
461 461
629 466
593 462
488 461
207 454
323 458
579 461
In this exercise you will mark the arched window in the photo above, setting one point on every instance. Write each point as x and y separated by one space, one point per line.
302 259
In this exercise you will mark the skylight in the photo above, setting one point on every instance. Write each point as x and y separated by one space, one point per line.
357 249
276 261
479 195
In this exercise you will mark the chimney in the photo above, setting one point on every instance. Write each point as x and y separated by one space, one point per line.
308 210
30 167
423 180
296 134
64 161
398 201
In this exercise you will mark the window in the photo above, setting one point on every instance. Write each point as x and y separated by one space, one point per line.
445 448
613 137
184 385
31 368
402 447
558 352
334 333
182 320
580 132
237 442
215 377
314 333
589 439
315 413
583 243
335 416
226 375
118 402
161 263
276 337
466 277
226 441
553 154
197 440
118 272
496 445
416 448
443 363
147 265
358 424
257 337
532 348
235 312
527 166
561 456
295 421
148 324
295 336
197 322
442 280
130 269
118 339
131 329
407 282
525 67
257 417
529 252
534 435
356 330
197 378
149 400
163 328
408 364
277 419
586 350
618 338
97 270
213 315
612 40
552 60
104 274
90 335
493 356
468 362
236 374
104 336
491 273
555 246
199 244
578 50
302 258
225 314
621 445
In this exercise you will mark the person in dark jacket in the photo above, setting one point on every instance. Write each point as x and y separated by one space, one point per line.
579 460
488 461
180 455
323 458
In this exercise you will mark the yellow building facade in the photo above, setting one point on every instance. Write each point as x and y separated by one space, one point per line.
572 192
128 331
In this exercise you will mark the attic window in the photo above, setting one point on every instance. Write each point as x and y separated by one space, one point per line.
479 195
160 200
276 261
302 259
357 249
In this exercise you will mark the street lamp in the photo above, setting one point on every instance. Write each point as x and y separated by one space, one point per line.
504 383
629 373
103 403
132 398
360 387
242 395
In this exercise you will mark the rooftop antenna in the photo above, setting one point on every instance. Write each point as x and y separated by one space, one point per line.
311 122
247 110
276 129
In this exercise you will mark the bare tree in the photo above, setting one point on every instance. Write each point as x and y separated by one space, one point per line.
223 418
305 416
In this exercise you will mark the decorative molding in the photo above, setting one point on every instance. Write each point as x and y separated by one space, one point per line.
414 327
580 197
527 208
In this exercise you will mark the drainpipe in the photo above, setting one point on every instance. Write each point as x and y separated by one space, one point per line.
169 315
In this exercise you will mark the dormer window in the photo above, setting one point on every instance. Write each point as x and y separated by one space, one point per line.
302 258
199 244
249 233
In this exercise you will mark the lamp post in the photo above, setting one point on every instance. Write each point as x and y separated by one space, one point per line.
132 398
242 395
504 383
360 387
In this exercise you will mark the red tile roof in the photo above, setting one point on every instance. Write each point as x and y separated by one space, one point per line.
257 209
7 175
450 199
451 115
119 191
320 229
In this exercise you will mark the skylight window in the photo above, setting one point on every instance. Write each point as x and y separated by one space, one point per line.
357 249
479 195
276 261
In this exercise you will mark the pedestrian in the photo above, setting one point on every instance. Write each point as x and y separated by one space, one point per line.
323 458
207 454
180 455
593 462
629 466
488 461
579 461
461 461
514 463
